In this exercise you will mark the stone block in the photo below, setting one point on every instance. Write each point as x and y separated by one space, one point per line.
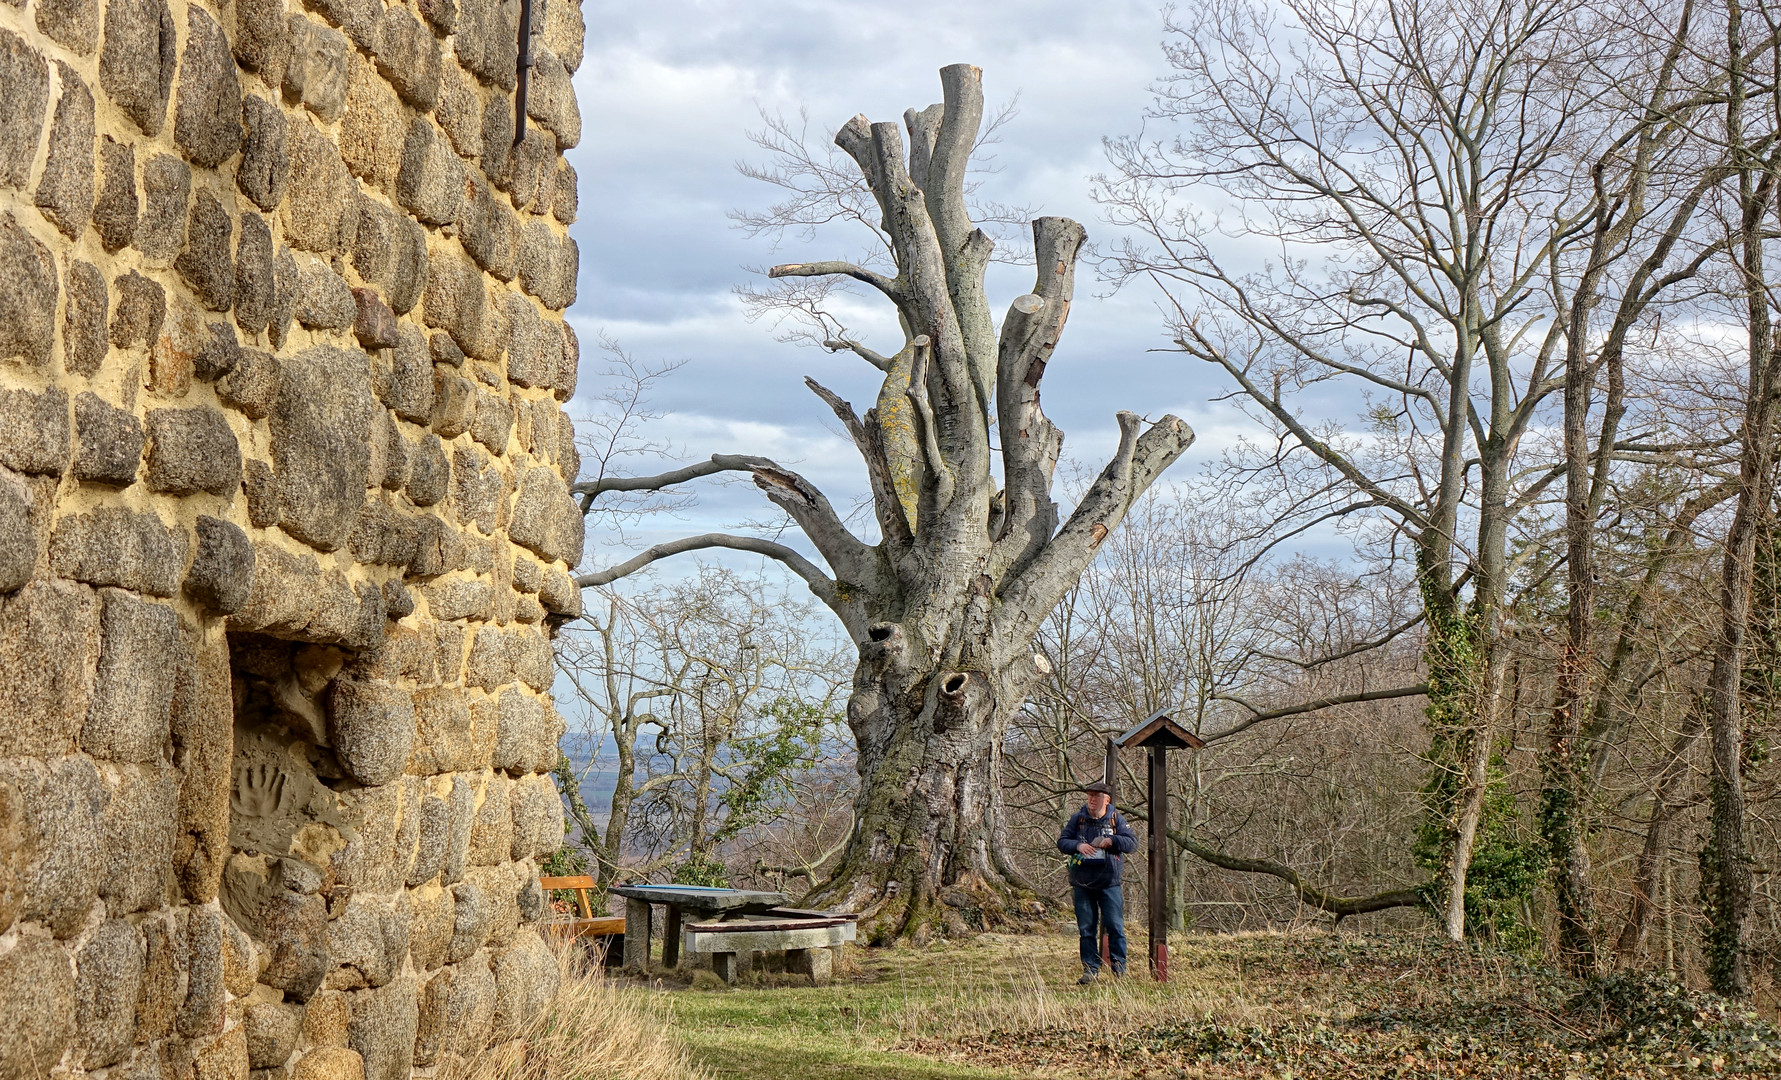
490 664
284 304
560 595
534 348
564 32
375 325
490 231
273 1028
137 837
293 927
128 718
382 1030
492 423
206 263
547 266
537 818
83 323
319 70
261 40
172 358
138 60
27 295
470 1006
550 99
534 662
49 649
115 212
362 20
74 23
321 443
166 189
163 973
372 728
477 488
207 118
256 285
527 733
221 350
428 471
411 374
565 203
202 716
107 980
446 351
329 1063
375 124
253 386
382 536
141 308
62 836
531 173
326 1018
487 40
20 536
114 546
24 83
463 818
491 836
34 432
430 182
321 210
324 299
241 961
526 979
392 451
202 1013
441 15
459 111
408 56
459 598
265 171
433 842
431 1029
366 938
433 911
65 191
454 403
222 573
546 518
37 1007
110 442
192 450
472 917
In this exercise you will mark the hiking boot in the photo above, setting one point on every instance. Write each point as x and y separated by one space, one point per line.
1119 971
1088 975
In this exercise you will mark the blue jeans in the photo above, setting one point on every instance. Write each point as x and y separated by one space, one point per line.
1098 910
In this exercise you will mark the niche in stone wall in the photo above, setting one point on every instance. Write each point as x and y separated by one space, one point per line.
292 806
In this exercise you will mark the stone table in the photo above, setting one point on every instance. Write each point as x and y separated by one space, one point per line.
702 900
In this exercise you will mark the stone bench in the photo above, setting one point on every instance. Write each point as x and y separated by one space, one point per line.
810 941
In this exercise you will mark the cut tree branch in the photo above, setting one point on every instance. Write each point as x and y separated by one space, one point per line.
1259 715
1321 899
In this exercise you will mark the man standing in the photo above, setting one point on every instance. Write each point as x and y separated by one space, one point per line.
1097 839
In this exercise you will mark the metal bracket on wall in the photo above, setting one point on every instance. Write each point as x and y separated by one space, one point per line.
523 72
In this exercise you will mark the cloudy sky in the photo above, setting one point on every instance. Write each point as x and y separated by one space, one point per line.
669 93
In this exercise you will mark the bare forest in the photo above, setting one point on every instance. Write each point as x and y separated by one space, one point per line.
1480 616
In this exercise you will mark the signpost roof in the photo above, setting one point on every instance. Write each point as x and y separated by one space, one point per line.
1160 730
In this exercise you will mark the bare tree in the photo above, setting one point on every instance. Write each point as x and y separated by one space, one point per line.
944 607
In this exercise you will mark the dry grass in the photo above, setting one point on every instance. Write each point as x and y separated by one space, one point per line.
596 1030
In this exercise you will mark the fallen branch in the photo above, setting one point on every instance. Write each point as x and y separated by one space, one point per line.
1321 899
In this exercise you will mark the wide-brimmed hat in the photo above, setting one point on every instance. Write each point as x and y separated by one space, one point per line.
1099 786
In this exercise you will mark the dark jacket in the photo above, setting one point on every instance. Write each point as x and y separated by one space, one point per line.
1083 829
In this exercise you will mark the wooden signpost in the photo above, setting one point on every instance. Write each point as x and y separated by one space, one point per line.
1159 734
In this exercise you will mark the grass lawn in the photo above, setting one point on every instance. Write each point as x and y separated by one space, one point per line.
1311 1004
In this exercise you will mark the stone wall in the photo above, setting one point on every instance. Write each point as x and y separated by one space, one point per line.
284 531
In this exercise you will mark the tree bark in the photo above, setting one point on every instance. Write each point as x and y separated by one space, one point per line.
946 605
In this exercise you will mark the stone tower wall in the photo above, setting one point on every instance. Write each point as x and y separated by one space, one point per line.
285 531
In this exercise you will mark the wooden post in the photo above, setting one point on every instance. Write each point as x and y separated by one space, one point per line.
1159 864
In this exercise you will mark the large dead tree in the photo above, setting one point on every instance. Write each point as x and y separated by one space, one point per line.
946 604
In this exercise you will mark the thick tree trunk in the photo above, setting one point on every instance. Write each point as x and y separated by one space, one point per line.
929 849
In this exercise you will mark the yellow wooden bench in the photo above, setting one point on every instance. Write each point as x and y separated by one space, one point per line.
606 932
